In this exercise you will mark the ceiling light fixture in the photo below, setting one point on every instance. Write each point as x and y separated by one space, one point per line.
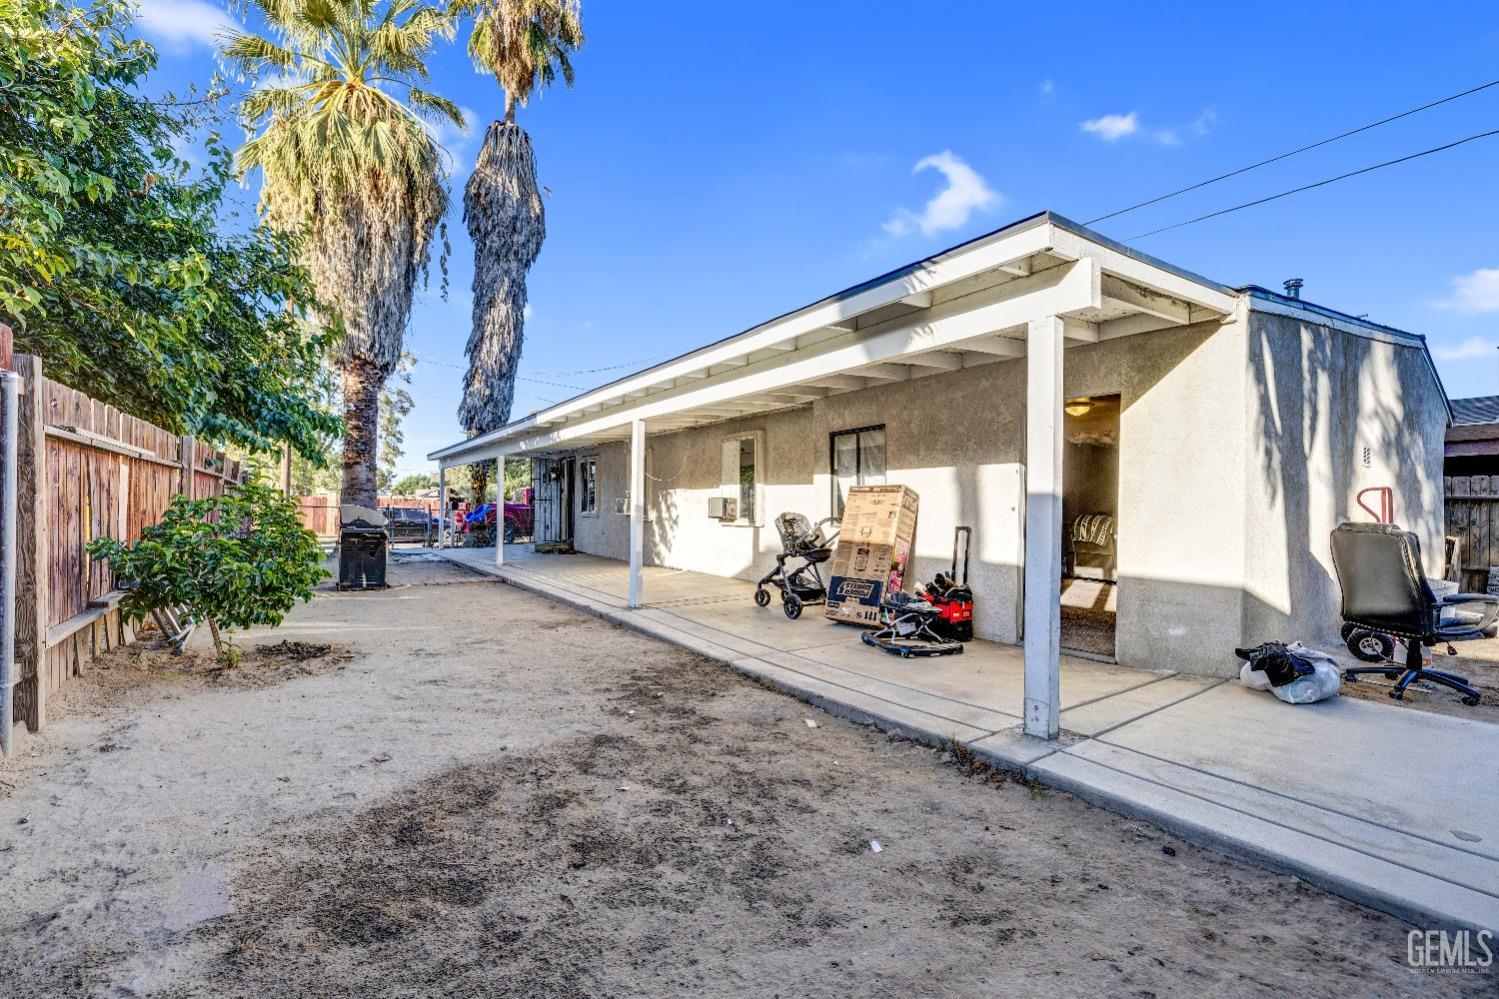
1077 407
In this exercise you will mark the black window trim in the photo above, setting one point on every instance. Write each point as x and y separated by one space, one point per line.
858 462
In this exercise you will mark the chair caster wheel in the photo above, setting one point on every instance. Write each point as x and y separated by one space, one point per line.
762 597
1398 695
1471 702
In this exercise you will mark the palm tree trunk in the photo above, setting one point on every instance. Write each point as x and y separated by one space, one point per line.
503 211
361 391
478 480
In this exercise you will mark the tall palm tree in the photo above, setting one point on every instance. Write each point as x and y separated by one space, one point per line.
337 115
525 45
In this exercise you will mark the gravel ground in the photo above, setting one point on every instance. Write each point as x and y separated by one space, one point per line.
480 793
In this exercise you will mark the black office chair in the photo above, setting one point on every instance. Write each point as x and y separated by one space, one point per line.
1386 597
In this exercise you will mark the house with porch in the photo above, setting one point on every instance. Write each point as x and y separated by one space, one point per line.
1150 461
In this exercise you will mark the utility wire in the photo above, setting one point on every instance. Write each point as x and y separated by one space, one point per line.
1320 183
519 378
1294 152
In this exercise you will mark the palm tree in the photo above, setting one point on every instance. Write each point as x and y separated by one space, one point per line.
524 44
338 117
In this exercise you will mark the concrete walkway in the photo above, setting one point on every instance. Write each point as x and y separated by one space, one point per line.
1390 807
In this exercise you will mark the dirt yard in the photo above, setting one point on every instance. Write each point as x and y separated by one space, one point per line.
491 795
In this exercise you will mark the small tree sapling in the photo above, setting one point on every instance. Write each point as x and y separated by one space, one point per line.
232 561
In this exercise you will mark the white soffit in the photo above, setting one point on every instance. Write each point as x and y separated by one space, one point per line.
961 308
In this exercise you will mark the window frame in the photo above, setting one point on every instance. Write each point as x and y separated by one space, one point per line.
758 489
858 459
584 462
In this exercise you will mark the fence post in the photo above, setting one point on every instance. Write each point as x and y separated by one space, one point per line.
189 453
31 550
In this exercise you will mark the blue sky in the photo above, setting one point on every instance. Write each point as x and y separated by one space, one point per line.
718 164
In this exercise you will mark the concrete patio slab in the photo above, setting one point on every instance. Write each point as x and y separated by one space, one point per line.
1363 876
1415 771
1384 805
1104 713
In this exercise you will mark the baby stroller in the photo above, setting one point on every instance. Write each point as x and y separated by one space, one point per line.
812 544
910 628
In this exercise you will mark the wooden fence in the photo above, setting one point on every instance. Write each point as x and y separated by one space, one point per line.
319 514
1472 517
85 470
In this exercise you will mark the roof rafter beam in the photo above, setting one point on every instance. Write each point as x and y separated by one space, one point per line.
1056 291
1076 329
1140 299
940 359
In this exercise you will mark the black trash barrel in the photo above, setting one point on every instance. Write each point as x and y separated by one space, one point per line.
363 548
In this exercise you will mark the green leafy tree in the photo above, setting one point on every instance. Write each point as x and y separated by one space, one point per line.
233 561
395 406
117 264
348 165
517 476
414 484
323 475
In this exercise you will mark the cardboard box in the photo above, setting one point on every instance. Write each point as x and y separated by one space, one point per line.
874 548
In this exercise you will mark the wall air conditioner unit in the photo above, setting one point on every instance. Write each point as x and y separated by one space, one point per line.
723 508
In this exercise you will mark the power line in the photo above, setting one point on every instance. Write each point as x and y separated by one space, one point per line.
1320 183
519 378
1294 152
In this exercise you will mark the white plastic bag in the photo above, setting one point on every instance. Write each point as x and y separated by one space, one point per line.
1319 686
1254 679
1307 652
1322 683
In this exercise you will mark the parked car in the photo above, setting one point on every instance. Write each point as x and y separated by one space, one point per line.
519 519
410 523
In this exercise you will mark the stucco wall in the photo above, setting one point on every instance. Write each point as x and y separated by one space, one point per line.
1317 398
1240 447
1180 520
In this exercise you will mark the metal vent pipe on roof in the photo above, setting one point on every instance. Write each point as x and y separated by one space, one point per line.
1293 288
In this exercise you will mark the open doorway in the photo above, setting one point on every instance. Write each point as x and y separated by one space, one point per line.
1090 520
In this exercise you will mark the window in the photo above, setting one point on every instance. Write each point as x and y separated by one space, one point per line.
588 486
742 474
858 459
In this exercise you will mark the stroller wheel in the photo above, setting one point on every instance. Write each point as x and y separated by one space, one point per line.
762 597
792 605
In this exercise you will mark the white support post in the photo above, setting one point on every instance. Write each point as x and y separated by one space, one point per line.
637 506
1043 525
499 511
442 506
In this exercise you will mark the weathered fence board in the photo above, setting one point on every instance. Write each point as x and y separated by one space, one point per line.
1472 517
86 470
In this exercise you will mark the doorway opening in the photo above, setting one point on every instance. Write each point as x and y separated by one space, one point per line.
1090 520
552 499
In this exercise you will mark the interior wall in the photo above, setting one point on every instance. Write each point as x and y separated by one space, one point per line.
1090 481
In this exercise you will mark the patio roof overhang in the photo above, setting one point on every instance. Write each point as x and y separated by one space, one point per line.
961 308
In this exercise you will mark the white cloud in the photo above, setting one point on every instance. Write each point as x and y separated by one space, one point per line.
1046 88
1473 293
966 192
449 136
1467 350
1113 127
181 24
